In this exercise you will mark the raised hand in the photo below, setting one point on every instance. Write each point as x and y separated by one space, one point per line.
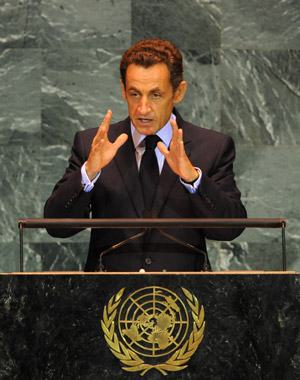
176 156
102 150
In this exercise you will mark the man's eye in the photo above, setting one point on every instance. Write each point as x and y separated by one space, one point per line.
155 96
134 94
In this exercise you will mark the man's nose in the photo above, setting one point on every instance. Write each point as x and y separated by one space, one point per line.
144 105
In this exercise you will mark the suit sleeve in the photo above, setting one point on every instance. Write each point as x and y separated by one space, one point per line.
68 200
218 195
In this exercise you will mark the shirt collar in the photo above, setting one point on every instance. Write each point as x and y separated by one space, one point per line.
165 133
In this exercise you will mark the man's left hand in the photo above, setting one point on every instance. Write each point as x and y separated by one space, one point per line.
176 156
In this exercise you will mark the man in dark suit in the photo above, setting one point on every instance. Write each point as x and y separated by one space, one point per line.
107 173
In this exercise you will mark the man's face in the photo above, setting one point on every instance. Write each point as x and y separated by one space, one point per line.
150 96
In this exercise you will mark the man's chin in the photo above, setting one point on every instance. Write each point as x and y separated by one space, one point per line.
146 127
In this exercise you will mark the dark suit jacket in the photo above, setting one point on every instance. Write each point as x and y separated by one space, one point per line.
118 194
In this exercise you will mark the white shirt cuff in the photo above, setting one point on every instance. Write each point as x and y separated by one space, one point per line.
192 188
86 183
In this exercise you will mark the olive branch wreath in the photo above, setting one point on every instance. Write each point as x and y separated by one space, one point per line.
133 362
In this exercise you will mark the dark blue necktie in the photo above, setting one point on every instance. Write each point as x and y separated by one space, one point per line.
149 173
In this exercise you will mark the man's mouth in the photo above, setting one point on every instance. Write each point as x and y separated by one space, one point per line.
145 120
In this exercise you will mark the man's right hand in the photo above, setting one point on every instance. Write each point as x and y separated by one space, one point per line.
102 150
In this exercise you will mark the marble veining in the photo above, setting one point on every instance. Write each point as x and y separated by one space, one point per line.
269 24
20 73
77 92
260 97
191 25
59 63
20 23
91 24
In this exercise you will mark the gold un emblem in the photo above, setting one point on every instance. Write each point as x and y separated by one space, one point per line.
153 329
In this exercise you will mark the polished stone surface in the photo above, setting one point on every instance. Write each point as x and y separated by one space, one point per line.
88 24
191 25
268 24
50 326
20 105
59 74
261 96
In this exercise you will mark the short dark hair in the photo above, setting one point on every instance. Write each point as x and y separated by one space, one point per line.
147 53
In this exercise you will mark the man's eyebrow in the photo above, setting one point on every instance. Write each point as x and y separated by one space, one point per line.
155 89
132 88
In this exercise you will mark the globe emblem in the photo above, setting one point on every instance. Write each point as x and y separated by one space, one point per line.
153 321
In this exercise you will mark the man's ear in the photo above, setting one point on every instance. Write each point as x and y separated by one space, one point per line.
123 90
180 92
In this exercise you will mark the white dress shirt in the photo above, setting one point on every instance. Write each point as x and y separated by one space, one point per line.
165 135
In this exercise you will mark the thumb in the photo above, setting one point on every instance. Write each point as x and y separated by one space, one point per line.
120 140
162 148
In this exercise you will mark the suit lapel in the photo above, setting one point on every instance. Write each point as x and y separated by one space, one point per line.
168 178
166 182
126 163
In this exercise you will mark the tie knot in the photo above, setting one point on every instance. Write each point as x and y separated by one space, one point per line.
151 141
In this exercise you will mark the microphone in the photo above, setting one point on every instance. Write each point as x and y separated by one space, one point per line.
152 214
146 214
206 266
113 247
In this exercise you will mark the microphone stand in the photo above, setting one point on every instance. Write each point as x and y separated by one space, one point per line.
206 267
153 214
110 249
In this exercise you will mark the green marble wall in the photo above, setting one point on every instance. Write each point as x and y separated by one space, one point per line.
59 74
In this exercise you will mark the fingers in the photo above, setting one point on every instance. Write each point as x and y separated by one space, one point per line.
177 133
175 128
120 140
101 139
104 127
162 148
176 144
177 137
107 118
174 125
